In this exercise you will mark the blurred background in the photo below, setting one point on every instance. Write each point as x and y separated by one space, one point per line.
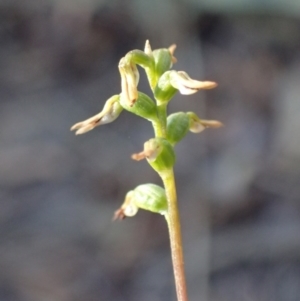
238 186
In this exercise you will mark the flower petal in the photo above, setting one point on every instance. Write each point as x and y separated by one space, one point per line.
151 150
147 48
129 80
186 86
110 112
172 49
198 125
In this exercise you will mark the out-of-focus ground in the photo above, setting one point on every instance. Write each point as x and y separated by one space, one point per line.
238 186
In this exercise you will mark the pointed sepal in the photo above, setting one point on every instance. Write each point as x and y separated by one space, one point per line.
111 111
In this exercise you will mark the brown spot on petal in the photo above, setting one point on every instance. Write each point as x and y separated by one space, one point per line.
119 215
132 102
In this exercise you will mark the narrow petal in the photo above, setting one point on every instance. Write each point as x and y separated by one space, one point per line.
129 80
124 82
87 125
110 112
215 124
186 86
197 125
172 49
147 48
191 83
133 78
201 125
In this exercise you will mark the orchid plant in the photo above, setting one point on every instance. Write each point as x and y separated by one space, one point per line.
168 131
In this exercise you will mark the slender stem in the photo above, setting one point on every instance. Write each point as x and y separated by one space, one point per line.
162 116
173 221
158 130
172 216
160 125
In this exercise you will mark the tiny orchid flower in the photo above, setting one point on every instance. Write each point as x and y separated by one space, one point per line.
149 197
159 154
198 125
110 112
152 149
181 81
128 208
129 81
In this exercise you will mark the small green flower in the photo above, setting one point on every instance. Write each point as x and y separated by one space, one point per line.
164 90
111 111
198 125
178 125
163 60
159 154
149 197
180 80
172 81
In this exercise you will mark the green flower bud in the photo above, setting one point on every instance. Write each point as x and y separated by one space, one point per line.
164 91
178 125
144 107
163 61
159 154
149 197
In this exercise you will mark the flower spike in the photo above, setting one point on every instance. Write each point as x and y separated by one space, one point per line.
158 151
110 112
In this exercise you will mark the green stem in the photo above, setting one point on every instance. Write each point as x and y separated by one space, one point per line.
172 216
158 130
173 221
162 117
